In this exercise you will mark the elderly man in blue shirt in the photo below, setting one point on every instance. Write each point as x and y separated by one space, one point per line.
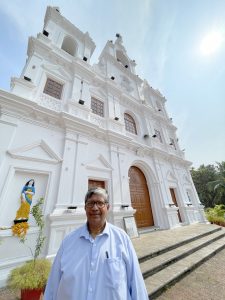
96 261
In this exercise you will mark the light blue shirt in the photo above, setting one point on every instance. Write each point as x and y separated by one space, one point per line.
95 269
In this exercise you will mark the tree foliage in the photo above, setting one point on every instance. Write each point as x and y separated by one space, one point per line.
39 218
216 215
34 273
210 183
36 211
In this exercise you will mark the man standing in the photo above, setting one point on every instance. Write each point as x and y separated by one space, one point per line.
97 261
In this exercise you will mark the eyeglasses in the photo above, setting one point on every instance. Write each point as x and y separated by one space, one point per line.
99 204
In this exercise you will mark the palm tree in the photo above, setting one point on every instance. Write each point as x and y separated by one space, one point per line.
218 185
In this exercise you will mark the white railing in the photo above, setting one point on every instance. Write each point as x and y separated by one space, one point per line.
97 120
50 102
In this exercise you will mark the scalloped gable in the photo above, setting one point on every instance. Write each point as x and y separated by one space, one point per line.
38 151
99 164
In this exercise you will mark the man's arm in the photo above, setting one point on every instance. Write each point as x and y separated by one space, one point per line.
135 279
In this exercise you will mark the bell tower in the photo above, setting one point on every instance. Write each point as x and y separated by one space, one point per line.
57 64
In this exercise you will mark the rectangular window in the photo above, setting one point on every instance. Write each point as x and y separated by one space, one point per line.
53 88
189 197
97 107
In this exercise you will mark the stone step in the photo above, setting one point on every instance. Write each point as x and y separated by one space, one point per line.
159 281
148 229
157 263
176 241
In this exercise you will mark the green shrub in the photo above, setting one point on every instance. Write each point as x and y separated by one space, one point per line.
216 215
31 275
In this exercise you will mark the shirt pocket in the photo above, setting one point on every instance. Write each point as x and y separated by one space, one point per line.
114 272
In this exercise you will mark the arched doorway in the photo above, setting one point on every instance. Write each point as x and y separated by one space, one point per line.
140 198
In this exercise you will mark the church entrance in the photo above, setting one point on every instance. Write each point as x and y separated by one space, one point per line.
140 198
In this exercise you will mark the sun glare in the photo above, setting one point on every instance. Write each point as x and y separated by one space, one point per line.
211 42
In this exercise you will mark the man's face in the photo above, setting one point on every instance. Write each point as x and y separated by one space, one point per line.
96 216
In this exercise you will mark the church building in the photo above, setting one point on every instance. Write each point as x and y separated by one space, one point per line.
68 125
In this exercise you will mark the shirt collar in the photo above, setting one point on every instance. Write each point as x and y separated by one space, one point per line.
85 233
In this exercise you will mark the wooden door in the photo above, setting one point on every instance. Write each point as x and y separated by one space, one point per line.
140 198
172 192
96 183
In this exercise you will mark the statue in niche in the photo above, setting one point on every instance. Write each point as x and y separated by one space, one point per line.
27 193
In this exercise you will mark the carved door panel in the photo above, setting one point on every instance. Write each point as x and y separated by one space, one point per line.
96 183
140 198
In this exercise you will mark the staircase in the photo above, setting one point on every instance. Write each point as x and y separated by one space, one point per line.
167 256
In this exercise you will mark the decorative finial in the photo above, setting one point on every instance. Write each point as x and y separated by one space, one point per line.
119 38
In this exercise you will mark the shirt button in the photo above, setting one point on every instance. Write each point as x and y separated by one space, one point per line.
90 290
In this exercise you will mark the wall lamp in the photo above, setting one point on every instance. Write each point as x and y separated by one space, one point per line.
81 102
72 207
26 78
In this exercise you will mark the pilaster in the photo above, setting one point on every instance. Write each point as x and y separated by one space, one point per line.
71 189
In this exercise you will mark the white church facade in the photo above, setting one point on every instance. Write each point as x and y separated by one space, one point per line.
70 125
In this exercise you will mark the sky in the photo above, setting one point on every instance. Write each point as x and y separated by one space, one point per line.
178 45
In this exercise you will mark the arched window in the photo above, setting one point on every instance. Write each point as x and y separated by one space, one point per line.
130 124
69 45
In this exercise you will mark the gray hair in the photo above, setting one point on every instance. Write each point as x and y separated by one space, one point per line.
97 191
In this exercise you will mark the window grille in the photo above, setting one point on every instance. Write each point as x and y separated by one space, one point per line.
130 124
53 88
97 107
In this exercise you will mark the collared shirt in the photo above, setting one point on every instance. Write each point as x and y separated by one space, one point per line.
94 269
